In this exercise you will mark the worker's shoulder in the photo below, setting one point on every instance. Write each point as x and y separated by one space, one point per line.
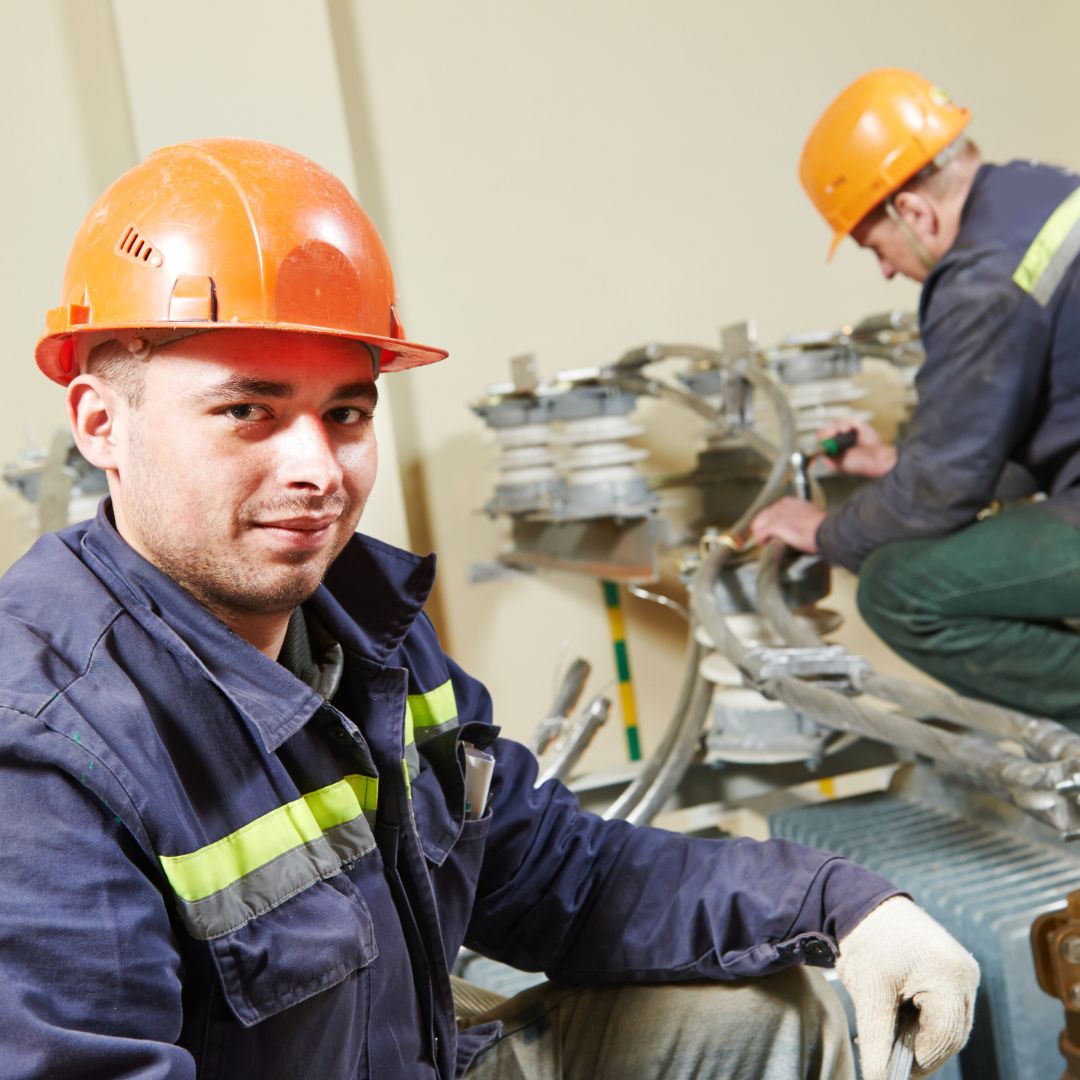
1005 225
53 613
1008 206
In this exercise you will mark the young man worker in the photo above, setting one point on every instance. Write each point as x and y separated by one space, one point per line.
979 604
237 842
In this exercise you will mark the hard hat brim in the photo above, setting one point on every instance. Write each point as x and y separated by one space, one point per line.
55 352
838 238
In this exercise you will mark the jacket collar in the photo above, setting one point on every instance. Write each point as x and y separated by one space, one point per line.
372 595
371 598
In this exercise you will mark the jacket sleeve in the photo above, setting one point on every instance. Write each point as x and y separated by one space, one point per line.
563 891
987 344
89 971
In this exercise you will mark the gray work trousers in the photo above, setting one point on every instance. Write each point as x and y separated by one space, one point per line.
789 1026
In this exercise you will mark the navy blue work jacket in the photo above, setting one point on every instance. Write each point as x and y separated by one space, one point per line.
207 870
1000 322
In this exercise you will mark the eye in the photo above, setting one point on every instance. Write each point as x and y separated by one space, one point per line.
349 415
246 413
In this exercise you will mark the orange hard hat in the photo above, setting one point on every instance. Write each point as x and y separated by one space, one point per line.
226 234
879 132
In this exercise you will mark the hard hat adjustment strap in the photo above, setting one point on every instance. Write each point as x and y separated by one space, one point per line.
950 152
917 247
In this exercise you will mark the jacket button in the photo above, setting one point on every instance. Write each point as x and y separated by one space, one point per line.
817 950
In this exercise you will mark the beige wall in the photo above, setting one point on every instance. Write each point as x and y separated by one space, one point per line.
565 178
128 76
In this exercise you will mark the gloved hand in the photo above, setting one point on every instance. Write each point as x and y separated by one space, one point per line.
897 953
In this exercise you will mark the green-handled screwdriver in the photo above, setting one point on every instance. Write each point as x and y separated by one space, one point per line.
836 444
832 447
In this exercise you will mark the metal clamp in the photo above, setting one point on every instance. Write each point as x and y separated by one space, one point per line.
830 665
737 544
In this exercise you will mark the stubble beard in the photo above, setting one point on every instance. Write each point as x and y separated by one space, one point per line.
230 585
226 581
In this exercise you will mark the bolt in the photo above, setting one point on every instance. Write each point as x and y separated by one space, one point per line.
1070 953
1074 995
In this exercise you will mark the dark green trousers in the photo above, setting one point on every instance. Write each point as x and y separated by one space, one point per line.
982 610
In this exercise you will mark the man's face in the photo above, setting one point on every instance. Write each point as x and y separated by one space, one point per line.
245 469
894 253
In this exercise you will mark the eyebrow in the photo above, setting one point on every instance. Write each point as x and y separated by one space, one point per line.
356 390
239 386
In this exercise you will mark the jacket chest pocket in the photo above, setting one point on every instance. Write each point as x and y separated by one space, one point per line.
286 979
281 921
310 943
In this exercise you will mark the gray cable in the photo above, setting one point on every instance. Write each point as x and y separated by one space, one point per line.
575 740
673 767
770 600
981 763
1049 740
665 769
637 790
566 698
977 760
657 598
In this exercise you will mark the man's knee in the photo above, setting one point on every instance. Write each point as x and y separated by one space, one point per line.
791 1024
787 1025
891 596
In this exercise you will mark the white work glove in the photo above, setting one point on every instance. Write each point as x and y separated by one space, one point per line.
895 954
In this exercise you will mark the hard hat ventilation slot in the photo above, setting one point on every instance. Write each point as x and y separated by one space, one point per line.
134 246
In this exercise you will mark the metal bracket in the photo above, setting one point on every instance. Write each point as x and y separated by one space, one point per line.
830 665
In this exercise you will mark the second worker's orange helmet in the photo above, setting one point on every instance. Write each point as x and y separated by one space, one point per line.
878 133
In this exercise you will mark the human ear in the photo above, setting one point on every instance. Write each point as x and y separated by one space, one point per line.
919 212
93 409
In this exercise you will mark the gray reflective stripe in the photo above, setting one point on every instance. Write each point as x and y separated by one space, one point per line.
1051 252
427 714
412 757
412 761
272 884
425 733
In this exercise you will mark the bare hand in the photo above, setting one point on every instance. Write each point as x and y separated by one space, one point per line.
870 456
794 521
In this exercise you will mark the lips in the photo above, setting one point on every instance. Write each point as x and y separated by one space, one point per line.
299 534
300 524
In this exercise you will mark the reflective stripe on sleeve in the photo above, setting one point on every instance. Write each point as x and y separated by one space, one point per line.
1051 252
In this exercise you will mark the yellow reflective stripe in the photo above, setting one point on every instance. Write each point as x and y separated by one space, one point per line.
436 707
338 803
209 869
1047 244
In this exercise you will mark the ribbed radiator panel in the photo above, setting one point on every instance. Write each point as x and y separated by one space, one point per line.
985 885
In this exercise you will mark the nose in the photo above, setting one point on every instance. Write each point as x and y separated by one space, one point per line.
888 271
308 457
